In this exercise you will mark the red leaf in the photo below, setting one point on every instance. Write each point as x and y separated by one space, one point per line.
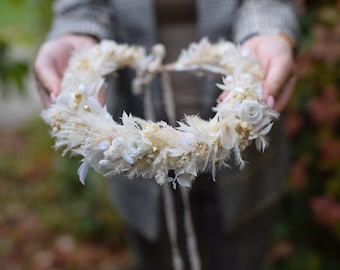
326 211
326 108
299 172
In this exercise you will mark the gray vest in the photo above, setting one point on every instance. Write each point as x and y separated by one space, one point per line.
240 194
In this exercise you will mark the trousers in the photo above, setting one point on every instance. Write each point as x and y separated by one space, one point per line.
241 249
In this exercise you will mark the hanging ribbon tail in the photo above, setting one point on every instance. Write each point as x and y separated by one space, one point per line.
171 222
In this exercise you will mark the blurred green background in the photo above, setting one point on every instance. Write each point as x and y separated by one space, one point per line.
48 220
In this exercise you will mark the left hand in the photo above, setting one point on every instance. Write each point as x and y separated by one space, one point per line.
276 58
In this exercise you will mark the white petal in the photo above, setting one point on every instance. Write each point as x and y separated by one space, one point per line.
261 143
82 171
82 88
184 180
128 158
266 129
104 145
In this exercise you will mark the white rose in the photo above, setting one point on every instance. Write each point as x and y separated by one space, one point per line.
251 111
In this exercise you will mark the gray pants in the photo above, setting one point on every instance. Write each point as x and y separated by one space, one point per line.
241 249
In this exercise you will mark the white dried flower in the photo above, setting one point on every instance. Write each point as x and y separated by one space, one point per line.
83 127
251 111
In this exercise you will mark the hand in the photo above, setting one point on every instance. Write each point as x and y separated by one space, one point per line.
276 58
51 61
275 55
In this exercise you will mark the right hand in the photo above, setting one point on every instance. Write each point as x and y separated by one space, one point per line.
51 61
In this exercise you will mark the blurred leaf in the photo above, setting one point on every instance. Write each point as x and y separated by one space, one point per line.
328 15
333 184
24 21
12 72
325 109
23 24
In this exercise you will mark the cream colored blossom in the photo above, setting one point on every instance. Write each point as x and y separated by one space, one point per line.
251 111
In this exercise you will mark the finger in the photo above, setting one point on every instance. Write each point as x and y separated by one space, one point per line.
271 101
284 97
47 76
101 95
278 72
47 93
45 96
222 96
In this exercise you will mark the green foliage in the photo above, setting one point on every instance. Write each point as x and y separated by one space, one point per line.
23 24
12 73
42 203
308 232
86 207
41 200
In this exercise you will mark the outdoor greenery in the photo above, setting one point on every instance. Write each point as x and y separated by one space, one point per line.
11 72
22 25
49 220
308 233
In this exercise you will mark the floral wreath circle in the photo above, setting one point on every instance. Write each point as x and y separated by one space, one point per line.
82 126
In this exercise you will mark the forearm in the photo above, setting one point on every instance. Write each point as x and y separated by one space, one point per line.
89 17
266 17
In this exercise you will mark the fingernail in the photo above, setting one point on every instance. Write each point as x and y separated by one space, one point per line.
271 101
53 97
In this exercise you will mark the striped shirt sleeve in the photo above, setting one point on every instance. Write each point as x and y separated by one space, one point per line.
266 17
90 17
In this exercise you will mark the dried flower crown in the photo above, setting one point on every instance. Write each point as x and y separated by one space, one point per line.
82 126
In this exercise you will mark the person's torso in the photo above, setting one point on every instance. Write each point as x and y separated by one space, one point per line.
176 29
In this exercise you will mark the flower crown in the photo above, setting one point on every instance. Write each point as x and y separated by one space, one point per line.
82 126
